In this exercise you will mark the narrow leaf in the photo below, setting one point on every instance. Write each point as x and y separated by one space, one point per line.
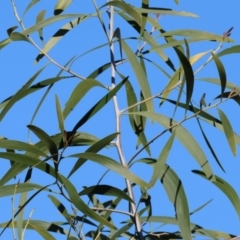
60 118
29 6
51 145
227 189
189 76
221 71
228 131
61 6
100 104
16 36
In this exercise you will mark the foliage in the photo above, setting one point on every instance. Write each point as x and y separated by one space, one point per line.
121 74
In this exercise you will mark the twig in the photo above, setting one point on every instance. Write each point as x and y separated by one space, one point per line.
34 44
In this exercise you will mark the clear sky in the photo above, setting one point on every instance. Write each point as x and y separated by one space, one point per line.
17 66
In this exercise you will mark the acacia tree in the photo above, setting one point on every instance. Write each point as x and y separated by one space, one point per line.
120 71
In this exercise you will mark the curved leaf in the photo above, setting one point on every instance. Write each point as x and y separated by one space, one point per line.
140 74
79 203
51 145
97 146
221 71
105 190
61 6
29 6
177 196
231 50
112 165
40 18
60 118
100 104
189 76
227 189
185 138
160 164
126 9
78 93
228 131
16 36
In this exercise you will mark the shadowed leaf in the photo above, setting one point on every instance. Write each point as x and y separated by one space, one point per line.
61 6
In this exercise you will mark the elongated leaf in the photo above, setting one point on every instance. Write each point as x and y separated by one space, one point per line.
197 35
8 190
21 146
29 6
230 50
79 203
140 74
58 36
160 164
230 95
112 165
94 148
78 93
145 4
24 91
189 76
185 138
51 145
227 189
126 9
101 103
174 188
194 110
61 6
16 36
61 208
44 233
105 190
221 71
19 94
201 207
60 118
218 82
135 121
165 11
40 18
228 131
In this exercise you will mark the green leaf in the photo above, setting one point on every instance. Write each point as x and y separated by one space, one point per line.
230 50
105 190
61 6
19 93
196 34
227 189
112 165
189 76
177 196
135 121
185 138
21 146
29 6
79 203
230 95
58 36
228 131
16 36
60 118
44 233
100 104
160 164
165 11
51 145
145 4
221 71
40 18
9 190
126 9
78 93
140 74
97 146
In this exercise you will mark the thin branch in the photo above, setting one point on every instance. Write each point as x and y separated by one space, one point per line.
178 124
35 45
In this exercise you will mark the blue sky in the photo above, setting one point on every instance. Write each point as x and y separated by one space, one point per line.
17 66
